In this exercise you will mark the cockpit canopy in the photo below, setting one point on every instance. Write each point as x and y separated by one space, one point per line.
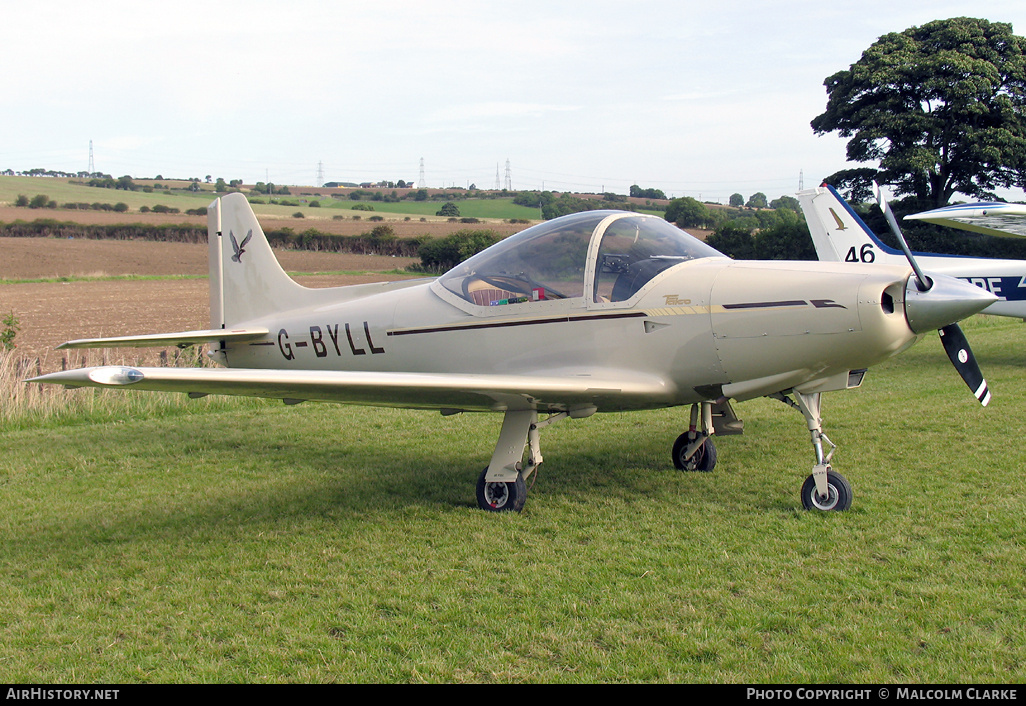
603 256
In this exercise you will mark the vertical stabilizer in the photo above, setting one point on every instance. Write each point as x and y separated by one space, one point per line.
252 282
837 231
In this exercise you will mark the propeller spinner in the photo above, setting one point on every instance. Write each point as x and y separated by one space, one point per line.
939 302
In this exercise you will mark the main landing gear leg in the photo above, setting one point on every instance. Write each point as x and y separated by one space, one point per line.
501 487
825 489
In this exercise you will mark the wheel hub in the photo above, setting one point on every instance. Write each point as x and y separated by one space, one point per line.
825 502
496 494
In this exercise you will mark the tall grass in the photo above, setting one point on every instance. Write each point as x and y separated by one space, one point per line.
23 404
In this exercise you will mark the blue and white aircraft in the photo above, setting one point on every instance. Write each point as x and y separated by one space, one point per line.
841 236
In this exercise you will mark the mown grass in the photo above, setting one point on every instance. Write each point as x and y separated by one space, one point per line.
251 542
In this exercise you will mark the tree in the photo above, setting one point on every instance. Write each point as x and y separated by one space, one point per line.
639 193
757 200
941 108
737 200
734 239
449 209
687 212
786 201
440 255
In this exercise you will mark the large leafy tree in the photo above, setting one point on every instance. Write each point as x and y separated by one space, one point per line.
941 108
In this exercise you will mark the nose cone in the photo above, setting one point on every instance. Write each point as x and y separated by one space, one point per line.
947 301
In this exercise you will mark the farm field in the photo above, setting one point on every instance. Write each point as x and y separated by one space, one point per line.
173 299
334 215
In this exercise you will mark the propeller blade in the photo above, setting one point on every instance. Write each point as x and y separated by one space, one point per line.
928 307
957 348
922 281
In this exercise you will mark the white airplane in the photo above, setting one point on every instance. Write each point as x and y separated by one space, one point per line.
840 235
987 217
600 311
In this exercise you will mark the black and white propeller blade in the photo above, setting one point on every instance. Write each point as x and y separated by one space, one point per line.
961 355
938 303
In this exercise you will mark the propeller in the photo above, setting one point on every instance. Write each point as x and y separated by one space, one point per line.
938 303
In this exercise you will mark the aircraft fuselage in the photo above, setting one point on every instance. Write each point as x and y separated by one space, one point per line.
741 328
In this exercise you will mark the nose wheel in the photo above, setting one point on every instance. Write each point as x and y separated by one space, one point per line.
824 490
836 499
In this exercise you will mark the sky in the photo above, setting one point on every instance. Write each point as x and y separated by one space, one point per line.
701 99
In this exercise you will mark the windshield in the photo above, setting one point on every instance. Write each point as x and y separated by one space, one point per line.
550 261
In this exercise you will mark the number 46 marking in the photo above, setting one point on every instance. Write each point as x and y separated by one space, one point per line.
865 254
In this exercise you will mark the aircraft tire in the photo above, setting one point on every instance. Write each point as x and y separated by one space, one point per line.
704 460
838 499
501 497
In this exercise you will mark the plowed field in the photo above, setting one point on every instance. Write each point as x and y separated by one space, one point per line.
53 312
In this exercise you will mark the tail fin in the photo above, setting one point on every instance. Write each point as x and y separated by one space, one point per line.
246 281
837 231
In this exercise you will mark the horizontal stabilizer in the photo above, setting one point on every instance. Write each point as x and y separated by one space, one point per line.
181 339
469 392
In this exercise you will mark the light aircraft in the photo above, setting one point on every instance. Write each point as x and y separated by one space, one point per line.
599 311
840 235
987 217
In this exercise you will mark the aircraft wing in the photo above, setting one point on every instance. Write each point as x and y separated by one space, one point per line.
612 390
180 339
989 218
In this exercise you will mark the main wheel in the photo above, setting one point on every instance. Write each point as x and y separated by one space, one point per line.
838 497
501 497
704 459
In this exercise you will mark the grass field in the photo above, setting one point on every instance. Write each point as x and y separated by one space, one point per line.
63 191
224 541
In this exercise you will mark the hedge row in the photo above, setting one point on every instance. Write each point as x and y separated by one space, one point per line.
380 241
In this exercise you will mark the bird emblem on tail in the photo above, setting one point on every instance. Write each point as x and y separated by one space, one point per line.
837 219
239 249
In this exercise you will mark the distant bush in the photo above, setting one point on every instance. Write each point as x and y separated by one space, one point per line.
445 253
